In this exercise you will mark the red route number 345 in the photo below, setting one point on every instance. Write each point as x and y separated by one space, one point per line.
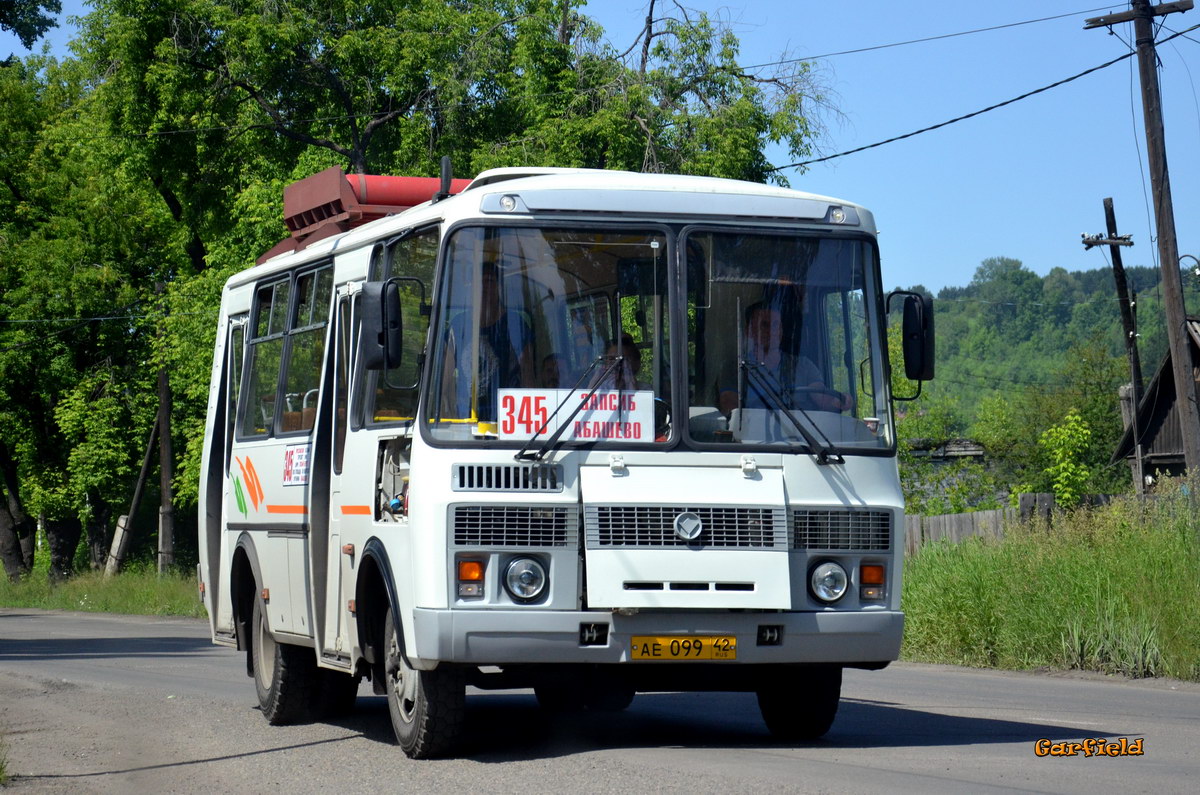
525 414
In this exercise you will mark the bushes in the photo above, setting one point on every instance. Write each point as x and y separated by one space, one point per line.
1110 589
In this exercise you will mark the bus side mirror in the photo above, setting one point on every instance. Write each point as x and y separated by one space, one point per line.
918 338
383 322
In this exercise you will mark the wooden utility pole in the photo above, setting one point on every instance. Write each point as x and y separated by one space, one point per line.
1129 323
166 467
1164 213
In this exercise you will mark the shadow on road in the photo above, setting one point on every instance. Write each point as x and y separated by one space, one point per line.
510 727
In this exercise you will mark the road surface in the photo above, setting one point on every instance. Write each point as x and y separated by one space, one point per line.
104 703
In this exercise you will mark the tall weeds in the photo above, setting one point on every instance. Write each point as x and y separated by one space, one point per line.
1110 589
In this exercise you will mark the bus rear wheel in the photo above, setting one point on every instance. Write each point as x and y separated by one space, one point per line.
800 705
427 707
284 675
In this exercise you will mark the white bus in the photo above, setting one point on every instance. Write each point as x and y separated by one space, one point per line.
586 432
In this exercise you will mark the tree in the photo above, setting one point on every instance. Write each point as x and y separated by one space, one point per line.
1065 444
161 155
28 19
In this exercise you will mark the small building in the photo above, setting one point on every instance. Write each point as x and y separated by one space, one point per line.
1158 415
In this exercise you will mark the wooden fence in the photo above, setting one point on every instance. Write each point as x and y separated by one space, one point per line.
921 530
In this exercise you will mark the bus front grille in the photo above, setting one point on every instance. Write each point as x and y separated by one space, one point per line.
512 526
616 526
506 477
842 530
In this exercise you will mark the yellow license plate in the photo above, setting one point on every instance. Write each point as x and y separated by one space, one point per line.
683 647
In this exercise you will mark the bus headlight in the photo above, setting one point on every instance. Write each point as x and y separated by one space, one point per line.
525 579
828 581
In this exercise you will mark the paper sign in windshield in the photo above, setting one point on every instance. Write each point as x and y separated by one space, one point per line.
605 416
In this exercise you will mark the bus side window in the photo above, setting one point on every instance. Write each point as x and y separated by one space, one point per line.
265 353
394 398
344 347
235 351
306 350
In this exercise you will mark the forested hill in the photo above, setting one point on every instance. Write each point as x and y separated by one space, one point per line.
1018 352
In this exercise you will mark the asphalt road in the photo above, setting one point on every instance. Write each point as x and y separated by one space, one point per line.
103 703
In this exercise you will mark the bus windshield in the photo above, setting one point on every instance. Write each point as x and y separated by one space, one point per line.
783 342
545 326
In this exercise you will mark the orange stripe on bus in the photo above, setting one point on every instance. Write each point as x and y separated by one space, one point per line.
287 509
356 510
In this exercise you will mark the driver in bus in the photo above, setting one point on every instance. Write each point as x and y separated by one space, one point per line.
505 348
784 371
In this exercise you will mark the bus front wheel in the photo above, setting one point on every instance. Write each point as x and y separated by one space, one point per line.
800 705
284 675
427 707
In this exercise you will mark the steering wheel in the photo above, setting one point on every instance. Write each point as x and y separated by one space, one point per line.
805 397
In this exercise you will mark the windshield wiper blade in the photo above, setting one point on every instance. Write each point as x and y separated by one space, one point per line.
523 454
756 378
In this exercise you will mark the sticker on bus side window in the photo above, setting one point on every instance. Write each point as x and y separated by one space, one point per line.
607 415
295 465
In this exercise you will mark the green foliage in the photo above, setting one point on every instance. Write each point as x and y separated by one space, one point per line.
139 590
1064 445
1108 589
28 19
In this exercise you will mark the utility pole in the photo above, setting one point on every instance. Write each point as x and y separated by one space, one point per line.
1129 323
1164 213
166 468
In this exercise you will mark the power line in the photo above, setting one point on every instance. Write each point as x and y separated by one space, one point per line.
980 112
923 40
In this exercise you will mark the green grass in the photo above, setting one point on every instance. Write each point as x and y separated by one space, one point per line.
136 591
1111 589
4 774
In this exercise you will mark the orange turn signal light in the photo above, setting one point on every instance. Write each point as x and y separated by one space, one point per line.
870 574
470 570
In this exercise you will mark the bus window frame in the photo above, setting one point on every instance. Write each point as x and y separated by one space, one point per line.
364 381
239 323
292 278
673 354
880 321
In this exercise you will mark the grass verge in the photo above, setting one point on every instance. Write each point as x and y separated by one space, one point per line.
1111 589
135 591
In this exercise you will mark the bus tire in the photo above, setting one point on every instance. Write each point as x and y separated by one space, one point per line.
799 706
284 675
427 708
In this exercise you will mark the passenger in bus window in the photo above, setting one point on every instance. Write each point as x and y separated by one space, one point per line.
793 376
505 348
552 371
624 375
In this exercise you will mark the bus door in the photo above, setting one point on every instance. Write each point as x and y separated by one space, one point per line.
344 506
272 449
219 547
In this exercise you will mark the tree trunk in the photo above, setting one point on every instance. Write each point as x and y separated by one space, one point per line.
62 535
10 547
20 523
97 534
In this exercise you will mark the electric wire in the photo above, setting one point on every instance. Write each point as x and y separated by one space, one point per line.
972 115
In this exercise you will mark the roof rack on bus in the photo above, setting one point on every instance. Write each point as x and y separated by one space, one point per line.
331 202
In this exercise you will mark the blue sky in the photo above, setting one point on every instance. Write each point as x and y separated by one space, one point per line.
1022 181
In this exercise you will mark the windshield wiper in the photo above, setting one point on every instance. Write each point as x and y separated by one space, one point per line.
523 454
756 378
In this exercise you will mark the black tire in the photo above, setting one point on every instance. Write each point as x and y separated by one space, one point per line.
336 693
284 675
427 708
800 706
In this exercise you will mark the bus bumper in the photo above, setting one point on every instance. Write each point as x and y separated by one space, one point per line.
497 637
